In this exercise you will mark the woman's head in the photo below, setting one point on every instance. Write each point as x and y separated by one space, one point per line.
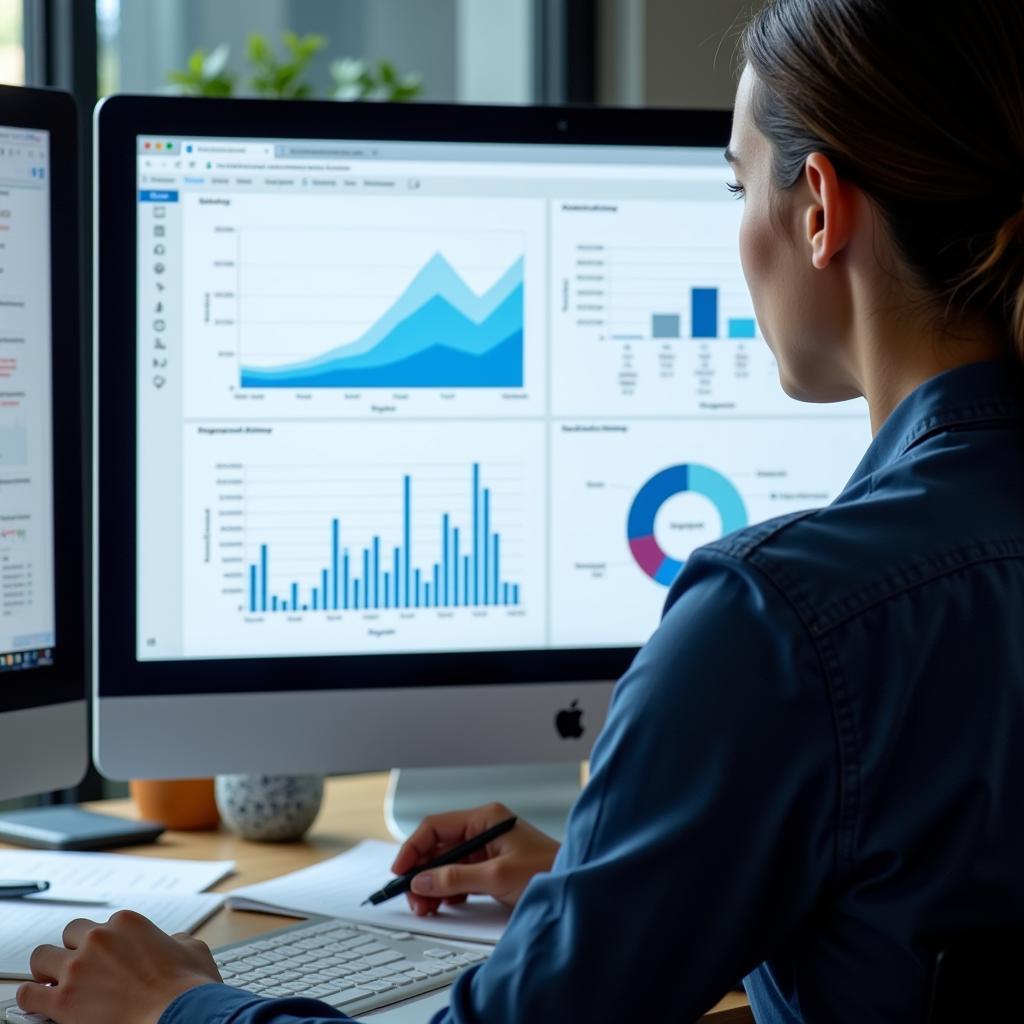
889 132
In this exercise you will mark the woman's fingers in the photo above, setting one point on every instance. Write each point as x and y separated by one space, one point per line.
76 931
443 831
46 962
33 997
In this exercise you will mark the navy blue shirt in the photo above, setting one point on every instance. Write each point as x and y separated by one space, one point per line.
815 763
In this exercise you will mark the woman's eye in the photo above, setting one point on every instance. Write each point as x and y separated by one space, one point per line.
736 189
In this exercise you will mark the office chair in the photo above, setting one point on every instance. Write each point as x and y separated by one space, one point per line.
976 978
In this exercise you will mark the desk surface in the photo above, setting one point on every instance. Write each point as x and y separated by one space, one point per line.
353 810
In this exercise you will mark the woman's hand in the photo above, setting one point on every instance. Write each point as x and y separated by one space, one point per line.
126 970
502 869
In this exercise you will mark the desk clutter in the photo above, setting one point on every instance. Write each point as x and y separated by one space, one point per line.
169 892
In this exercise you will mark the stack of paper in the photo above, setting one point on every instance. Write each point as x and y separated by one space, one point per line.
96 885
337 887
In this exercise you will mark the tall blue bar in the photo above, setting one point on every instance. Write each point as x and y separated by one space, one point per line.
323 590
397 576
704 312
355 595
418 585
366 579
437 585
504 593
486 541
376 572
407 540
263 576
252 588
444 555
387 590
334 565
346 580
476 533
295 596
515 594
315 594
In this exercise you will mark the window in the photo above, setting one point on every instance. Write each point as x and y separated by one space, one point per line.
12 52
462 50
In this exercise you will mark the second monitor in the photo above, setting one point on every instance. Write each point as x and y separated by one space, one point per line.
416 415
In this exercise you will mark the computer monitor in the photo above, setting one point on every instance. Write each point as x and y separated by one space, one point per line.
408 417
43 720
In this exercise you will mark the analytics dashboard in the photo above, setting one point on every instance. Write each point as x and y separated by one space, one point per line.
402 397
27 610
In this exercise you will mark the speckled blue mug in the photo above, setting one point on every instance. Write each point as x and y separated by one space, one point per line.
269 808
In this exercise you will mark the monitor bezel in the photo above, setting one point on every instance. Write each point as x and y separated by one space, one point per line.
64 680
120 122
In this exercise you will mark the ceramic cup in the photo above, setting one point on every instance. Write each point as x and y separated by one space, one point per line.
269 808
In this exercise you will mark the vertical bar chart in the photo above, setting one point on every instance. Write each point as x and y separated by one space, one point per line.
464 574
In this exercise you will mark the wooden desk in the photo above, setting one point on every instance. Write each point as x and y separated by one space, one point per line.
353 810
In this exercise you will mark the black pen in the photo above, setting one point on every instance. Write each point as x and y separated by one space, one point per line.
15 890
402 883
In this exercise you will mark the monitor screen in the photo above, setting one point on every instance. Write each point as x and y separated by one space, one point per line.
27 598
422 397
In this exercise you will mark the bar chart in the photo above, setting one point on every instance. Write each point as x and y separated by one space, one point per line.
467 572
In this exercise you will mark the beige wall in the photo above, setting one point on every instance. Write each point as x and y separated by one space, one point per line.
679 53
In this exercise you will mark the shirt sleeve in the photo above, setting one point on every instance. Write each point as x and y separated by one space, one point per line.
221 1004
706 832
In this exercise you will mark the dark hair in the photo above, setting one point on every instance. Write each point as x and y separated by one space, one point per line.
921 104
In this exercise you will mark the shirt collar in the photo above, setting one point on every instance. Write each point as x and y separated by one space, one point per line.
978 393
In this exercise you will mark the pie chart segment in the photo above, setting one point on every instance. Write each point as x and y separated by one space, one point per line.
702 480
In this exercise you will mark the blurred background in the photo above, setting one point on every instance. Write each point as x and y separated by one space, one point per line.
621 52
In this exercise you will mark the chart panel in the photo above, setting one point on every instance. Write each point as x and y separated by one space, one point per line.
631 501
376 306
320 538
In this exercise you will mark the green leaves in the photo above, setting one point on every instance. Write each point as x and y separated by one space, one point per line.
360 80
205 74
285 77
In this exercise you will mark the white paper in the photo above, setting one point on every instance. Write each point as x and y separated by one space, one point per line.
337 887
25 925
98 877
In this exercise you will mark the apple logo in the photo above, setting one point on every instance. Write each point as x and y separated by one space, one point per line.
568 723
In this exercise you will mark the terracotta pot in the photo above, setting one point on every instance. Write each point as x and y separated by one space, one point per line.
184 804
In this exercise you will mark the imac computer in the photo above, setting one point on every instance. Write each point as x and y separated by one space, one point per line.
407 418
43 719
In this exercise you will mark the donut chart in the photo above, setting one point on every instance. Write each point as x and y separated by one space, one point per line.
695 478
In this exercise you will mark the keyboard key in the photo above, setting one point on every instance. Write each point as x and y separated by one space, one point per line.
350 996
16 1015
388 956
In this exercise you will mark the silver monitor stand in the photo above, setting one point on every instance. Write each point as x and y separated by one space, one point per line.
541 794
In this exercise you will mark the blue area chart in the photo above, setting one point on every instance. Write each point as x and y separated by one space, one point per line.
697 479
438 334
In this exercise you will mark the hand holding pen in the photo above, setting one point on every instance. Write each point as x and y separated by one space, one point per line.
501 869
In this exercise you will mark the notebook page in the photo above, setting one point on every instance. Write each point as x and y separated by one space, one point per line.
338 886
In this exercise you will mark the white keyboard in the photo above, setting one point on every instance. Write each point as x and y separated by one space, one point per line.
349 966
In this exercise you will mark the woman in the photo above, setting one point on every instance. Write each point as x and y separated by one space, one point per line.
815 763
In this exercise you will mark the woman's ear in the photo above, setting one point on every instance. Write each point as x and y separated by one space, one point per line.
828 219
